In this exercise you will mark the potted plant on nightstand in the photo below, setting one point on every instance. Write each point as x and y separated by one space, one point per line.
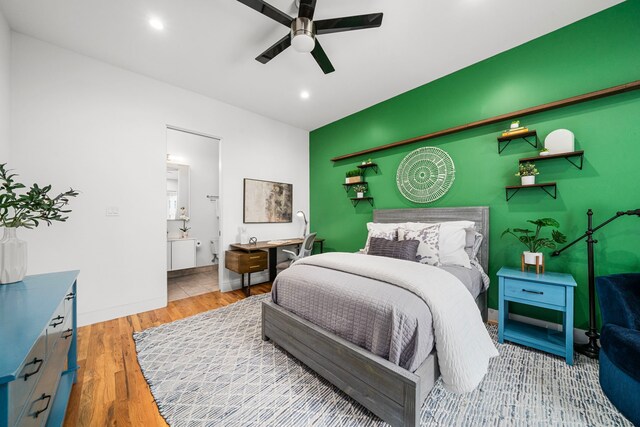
28 210
360 189
354 176
527 173
534 242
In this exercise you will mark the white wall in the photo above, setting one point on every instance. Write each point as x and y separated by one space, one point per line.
201 154
83 123
5 59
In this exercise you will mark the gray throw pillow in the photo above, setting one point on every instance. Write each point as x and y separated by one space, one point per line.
400 249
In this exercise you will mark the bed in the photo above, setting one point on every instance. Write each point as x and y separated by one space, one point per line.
393 393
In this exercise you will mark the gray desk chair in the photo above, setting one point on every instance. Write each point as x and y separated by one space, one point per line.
305 250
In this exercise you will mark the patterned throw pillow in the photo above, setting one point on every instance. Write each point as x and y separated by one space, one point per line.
389 234
401 249
428 249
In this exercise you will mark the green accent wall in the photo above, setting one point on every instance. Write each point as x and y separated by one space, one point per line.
597 52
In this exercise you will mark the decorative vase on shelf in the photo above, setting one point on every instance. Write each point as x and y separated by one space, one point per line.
528 179
13 257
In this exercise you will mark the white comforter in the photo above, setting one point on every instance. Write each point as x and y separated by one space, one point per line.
462 341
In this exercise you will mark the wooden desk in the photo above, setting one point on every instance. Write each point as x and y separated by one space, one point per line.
271 247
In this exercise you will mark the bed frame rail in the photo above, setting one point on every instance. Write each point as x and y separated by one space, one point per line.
392 393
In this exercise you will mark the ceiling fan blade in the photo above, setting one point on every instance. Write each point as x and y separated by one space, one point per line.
348 23
307 8
268 10
274 50
322 59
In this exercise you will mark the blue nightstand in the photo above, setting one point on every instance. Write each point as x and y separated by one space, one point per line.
549 290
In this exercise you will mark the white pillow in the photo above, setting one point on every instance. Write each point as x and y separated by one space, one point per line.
381 230
452 241
428 249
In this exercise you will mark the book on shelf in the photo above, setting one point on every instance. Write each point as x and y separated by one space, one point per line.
512 132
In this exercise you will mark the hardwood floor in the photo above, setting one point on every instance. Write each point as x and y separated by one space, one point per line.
111 390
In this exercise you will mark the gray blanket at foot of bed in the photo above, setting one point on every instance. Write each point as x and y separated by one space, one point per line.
385 319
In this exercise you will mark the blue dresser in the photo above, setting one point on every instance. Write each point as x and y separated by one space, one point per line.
548 290
38 349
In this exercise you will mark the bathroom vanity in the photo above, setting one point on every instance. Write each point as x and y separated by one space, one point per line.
181 254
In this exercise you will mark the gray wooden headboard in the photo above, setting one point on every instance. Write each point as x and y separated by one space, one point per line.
477 214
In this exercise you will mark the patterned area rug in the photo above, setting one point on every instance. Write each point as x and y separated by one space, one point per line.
213 369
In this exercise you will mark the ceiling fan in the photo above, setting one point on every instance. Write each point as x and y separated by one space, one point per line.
303 30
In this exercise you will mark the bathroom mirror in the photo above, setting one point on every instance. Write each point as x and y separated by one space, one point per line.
177 190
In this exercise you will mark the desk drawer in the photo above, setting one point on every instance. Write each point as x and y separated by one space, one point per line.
28 376
535 292
245 262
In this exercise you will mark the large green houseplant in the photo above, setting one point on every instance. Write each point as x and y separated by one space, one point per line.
28 209
533 240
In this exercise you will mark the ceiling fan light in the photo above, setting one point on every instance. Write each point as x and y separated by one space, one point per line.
303 43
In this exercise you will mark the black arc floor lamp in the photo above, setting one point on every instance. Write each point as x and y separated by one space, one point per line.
592 349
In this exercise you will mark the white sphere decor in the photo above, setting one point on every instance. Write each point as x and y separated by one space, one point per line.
425 175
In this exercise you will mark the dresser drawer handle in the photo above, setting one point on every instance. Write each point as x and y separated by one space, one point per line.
56 321
533 292
46 397
70 296
254 266
68 333
33 362
254 257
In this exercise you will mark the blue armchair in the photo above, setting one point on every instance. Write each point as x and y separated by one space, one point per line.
619 297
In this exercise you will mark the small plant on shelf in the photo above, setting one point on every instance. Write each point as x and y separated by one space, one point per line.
527 173
545 152
360 190
532 240
354 176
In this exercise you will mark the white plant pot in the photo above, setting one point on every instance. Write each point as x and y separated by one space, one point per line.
13 257
528 180
530 257
359 195
545 153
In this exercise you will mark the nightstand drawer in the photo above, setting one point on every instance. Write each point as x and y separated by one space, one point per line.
535 292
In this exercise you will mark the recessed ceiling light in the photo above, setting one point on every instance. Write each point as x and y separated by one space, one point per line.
304 94
156 24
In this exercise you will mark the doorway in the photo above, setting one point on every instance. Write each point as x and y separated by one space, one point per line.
193 213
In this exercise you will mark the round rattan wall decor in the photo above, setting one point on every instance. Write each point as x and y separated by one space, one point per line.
425 174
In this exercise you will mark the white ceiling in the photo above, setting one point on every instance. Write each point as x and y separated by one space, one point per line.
209 46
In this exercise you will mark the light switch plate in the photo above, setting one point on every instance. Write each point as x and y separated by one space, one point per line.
113 211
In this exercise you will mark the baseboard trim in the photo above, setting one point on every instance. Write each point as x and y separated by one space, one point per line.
110 313
579 336
234 284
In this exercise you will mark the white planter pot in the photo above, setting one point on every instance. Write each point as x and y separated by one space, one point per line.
545 153
359 195
13 257
528 180
530 257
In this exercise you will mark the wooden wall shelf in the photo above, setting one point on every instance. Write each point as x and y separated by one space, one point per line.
531 137
602 93
373 166
356 200
567 156
546 187
347 187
